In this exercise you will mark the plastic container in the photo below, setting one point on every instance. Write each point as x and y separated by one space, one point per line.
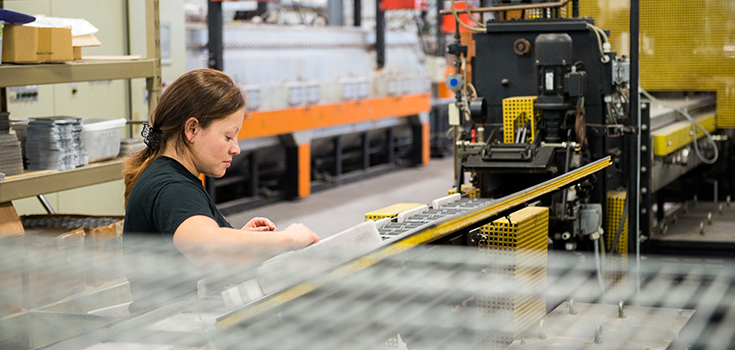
102 138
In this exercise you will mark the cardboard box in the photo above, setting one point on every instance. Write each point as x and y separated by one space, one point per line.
12 258
103 251
12 261
104 246
24 44
80 41
56 266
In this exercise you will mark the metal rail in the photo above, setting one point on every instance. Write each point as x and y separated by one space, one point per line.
510 8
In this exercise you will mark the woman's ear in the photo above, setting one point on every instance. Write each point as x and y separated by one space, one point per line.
191 128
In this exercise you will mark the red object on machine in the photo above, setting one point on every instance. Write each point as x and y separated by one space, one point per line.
387 5
448 20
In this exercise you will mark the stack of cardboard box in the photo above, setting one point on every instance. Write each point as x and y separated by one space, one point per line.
28 44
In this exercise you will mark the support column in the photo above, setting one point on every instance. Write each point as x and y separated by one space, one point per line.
262 8
357 13
214 25
421 138
298 163
335 12
379 34
365 151
254 174
338 156
646 164
389 134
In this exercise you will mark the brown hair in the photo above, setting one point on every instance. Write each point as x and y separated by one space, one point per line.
205 94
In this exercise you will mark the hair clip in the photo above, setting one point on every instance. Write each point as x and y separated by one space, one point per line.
151 136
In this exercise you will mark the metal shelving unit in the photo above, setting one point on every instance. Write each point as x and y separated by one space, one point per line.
78 71
37 183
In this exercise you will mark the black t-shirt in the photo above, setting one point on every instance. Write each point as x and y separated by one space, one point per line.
165 195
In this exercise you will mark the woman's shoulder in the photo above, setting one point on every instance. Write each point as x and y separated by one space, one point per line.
164 172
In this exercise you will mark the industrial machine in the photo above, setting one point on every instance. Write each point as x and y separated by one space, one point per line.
539 92
546 95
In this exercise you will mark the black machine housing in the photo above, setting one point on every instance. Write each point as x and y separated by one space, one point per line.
558 60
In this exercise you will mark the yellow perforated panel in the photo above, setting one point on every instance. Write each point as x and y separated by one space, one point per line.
390 212
619 262
516 112
684 45
517 251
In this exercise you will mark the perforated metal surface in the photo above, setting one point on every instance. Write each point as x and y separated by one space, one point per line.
517 111
685 46
391 211
516 249
618 263
419 295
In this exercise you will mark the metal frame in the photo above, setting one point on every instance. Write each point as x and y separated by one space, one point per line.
50 181
19 75
634 185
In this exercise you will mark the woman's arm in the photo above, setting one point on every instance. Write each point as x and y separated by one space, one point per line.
203 242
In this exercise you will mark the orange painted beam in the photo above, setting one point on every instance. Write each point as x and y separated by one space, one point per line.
425 146
286 121
304 170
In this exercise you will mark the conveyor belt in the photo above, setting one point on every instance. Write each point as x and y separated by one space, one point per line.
423 234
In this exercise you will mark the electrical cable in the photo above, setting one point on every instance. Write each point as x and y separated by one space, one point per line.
598 261
694 124
456 18
603 56
472 87
464 90
467 7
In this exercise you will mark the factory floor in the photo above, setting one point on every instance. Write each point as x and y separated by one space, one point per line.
330 211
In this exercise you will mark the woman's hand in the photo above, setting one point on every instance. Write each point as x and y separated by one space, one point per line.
260 224
300 236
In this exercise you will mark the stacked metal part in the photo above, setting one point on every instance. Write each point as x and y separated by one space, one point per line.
55 143
11 157
428 216
67 221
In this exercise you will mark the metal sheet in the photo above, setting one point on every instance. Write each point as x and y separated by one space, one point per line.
665 173
642 328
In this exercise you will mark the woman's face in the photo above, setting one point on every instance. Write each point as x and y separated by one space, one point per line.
213 148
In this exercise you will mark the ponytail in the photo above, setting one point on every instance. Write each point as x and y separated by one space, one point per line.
135 165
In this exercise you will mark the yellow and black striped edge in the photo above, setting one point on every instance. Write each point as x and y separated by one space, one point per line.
427 235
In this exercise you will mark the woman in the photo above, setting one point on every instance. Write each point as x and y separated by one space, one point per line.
194 131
